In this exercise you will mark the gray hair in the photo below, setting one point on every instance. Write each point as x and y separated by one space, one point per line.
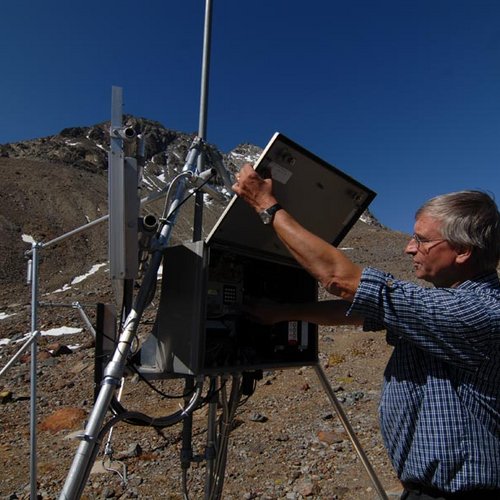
470 219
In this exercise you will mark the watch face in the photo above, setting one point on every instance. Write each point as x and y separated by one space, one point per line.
268 214
266 217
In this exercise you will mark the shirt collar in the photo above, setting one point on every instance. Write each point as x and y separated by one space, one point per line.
490 279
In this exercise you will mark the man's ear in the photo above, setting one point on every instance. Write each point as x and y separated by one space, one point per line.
464 255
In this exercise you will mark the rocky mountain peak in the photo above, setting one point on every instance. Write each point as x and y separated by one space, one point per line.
165 150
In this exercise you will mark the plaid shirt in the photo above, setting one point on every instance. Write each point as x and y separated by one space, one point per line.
440 405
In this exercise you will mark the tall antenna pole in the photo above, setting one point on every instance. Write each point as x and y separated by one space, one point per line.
205 70
202 124
187 423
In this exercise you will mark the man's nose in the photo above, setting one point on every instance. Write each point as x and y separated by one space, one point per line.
411 247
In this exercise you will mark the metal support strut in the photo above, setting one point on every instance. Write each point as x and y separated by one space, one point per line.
350 431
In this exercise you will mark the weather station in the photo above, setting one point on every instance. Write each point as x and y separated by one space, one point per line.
201 334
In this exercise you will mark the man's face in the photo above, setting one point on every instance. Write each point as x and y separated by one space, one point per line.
434 259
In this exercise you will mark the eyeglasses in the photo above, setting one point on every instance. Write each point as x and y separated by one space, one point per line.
419 241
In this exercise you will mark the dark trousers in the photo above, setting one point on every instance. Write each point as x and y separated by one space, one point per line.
415 492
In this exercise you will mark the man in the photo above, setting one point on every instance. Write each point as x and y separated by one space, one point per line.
440 404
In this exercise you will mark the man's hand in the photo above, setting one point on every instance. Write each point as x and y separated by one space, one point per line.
255 190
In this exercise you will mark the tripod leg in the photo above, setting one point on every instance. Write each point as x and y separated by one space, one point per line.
350 431
32 338
89 446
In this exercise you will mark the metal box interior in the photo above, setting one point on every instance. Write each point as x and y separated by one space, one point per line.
199 327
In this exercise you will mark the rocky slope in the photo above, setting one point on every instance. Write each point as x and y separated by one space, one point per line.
287 441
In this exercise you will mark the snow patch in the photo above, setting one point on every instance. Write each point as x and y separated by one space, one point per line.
92 271
62 330
53 332
244 157
81 278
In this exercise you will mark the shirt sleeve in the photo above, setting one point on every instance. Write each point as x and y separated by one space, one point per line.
451 323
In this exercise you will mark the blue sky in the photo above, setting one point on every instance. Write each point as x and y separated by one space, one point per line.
403 95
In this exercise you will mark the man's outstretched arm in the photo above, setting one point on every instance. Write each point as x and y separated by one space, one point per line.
323 261
327 312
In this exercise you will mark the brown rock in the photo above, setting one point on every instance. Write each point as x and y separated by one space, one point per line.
65 418
330 437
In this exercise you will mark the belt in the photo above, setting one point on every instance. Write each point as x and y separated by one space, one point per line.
473 494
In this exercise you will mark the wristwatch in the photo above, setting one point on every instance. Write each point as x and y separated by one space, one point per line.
267 215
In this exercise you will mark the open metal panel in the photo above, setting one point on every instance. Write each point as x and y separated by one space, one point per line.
318 195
